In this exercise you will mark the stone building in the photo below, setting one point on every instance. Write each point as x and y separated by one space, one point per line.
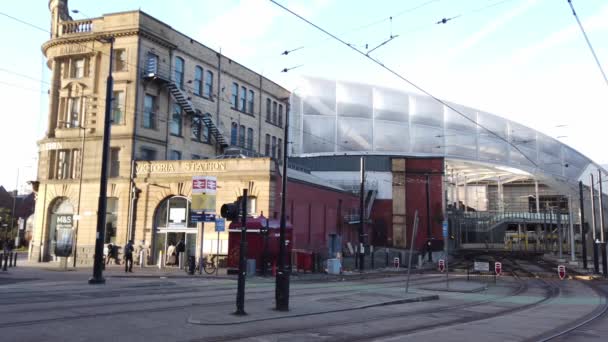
173 99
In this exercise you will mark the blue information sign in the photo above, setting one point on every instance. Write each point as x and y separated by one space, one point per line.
220 225
201 216
445 229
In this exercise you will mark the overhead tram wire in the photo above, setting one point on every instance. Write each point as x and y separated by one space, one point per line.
597 61
364 26
403 79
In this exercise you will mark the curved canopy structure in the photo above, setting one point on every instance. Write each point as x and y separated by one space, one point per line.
333 117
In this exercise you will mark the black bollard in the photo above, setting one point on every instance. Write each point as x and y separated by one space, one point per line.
15 260
5 262
10 259
373 254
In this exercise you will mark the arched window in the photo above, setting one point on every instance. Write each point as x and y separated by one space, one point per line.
234 131
179 72
198 80
250 138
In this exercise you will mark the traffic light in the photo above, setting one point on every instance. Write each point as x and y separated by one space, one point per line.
231 211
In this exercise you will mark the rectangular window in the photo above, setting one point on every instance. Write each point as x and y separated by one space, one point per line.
274 147
267 145
148 153
152 64
195 127
120 60
118 108
242 136
179 72
250 138
149 120
175 127
235 95
196 157
280 115
72 118
206 136
198 81
234 128
208 90
78 66
250 102
62 160
268 105
280 151
243 99
114 166
175 155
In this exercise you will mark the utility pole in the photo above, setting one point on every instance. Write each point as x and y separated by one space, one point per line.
582 215
602 241
240 294
362 217
282 277
103 182
596 261
428 215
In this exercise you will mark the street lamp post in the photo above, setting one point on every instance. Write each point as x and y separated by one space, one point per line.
103 182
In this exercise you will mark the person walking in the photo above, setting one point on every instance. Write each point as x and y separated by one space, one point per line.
180 248
128 255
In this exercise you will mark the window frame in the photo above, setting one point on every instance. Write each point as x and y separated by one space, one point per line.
198 80
234 132
268 109
249 138
117 106
177 73
208 84
149 117
243 99
176 121
267 146
234 99
117 53
250 101
175 153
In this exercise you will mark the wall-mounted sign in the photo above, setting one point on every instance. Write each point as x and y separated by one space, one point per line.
204 189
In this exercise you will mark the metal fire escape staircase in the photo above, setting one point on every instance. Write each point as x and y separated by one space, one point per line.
181 99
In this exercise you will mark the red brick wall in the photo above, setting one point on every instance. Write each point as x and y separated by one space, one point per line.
314 211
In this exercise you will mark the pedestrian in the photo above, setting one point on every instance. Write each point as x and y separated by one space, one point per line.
180 248
128 255
108 252
171 258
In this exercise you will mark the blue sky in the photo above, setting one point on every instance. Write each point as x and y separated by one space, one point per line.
525 60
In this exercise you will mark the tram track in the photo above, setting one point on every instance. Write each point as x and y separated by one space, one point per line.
522 287
230 292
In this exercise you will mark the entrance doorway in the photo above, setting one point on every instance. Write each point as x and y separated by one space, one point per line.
172 225
61 216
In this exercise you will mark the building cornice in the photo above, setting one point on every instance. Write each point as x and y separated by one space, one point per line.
86 38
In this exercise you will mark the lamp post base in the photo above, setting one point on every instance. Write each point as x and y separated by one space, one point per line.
95 281
282 291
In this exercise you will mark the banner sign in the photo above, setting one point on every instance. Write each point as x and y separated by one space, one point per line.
203 193
64 235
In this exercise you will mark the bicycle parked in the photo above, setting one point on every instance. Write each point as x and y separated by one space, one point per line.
208 266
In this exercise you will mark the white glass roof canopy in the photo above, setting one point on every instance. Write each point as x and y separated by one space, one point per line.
329 117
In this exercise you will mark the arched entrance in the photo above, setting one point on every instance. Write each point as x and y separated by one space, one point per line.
172 224
61 216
